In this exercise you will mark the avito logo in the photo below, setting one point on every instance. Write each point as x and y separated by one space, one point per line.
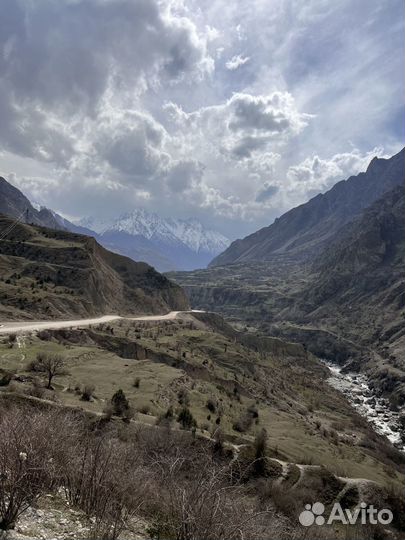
314 514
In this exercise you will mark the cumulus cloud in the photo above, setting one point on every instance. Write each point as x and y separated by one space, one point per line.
65 61
108 104
244 124
236 62
315 174
132 143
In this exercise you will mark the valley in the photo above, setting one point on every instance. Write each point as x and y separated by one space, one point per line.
285 373
233 386
202 270
344 299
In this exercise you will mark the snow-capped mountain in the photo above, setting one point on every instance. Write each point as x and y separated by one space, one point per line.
166 243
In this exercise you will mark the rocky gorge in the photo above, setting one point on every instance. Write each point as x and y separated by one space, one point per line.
376 409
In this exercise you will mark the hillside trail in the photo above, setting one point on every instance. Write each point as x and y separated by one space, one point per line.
361 483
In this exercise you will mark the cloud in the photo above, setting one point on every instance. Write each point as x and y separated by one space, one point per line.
132 143
315 174
266 192
106 103
243 125
65 61
236 62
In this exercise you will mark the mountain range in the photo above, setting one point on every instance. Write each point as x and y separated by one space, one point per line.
49 273
51 267
337 293
165 243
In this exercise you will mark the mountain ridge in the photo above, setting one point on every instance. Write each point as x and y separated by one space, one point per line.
346 304
167 243
15 204
305 229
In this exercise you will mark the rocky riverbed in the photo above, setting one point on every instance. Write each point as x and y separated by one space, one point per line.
376 409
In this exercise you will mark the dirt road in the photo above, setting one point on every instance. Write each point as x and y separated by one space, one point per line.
31 326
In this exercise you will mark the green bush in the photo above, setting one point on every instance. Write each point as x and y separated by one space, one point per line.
119 403
186 419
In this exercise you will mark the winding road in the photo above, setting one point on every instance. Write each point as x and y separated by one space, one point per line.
32 326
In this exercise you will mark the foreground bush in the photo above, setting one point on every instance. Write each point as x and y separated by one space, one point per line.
186 488
28 469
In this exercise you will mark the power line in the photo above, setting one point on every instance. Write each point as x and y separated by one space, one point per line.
13 225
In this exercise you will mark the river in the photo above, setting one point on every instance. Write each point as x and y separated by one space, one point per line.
357 390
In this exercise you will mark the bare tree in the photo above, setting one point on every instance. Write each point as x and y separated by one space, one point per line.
51 365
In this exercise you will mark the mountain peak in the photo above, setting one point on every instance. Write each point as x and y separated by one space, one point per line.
140 222
183 243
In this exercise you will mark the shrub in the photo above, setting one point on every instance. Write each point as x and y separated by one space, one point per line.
98 479
45 335
29 440
119 403
260 447
288 502
144 409
243 423
205 507
183 397
186 419
252 410
87 392
169 413
211 405
137 382
6 378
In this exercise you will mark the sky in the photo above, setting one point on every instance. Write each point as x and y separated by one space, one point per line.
228 112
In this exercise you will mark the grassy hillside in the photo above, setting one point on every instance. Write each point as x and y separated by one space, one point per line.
208 419
47 273
230 381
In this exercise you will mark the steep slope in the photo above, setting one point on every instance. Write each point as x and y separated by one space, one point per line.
367 255
57 273
13 203
304 230
166 243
